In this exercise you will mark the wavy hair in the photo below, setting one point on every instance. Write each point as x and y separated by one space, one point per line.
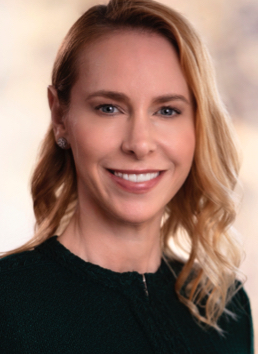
204 208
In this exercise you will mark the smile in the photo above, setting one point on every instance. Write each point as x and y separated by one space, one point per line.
142 177
136 181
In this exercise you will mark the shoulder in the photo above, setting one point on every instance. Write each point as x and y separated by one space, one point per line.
21 269
23 262
18 262
18 275
236 321
239 303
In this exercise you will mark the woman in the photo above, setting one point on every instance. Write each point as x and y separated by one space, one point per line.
139 150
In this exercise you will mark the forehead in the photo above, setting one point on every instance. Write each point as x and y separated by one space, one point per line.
137 59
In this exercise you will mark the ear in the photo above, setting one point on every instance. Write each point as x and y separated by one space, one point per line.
57 114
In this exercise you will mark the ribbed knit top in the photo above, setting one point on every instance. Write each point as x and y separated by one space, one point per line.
52 301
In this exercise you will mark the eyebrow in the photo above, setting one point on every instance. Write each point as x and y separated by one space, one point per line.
169 97
109 94
118 96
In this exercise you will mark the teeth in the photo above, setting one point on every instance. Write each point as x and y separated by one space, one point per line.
143 177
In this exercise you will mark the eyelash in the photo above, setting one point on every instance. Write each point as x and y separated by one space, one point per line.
175 110
98 108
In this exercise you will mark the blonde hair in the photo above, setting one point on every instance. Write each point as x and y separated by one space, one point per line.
204 207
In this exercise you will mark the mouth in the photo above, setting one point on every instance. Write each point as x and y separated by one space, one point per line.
136 181
136 177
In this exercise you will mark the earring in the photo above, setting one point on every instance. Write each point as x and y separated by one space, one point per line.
62 143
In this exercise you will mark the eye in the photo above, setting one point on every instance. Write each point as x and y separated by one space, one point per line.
168 111
107 108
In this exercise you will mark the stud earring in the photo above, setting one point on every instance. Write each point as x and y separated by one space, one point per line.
62 143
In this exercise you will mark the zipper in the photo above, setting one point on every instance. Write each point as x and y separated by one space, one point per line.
145 285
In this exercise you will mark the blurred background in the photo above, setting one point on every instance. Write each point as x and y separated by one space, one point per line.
30 33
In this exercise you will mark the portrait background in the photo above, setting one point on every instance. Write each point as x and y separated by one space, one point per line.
30 34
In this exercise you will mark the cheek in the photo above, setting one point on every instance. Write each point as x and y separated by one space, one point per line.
180 144
91 142
188 146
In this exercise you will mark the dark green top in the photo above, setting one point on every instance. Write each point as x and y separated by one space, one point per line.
53 302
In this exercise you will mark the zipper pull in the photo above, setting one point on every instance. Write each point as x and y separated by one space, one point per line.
145 285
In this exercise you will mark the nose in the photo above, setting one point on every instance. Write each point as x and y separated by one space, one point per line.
139 137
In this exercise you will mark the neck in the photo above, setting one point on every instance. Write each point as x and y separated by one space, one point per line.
119 247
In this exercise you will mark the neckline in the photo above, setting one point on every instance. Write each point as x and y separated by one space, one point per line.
54 249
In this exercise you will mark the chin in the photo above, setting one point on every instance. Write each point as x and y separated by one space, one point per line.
137 218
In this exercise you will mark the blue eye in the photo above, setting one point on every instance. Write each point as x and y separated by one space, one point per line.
168 111
107 108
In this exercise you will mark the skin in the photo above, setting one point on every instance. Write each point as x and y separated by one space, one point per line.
130 111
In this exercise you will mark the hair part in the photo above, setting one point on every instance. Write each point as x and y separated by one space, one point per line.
204 208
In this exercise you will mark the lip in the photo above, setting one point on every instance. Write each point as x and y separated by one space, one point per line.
136 172
136 187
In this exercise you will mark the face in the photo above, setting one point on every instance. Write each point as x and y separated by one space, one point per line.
130 126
